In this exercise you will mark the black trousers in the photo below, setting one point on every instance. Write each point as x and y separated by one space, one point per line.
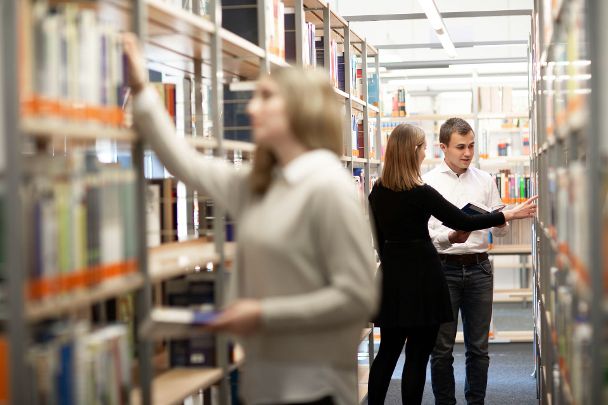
419 343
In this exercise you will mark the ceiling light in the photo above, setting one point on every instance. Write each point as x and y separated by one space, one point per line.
432 14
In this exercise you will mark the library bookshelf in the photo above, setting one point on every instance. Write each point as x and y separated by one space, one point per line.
568 154
184 43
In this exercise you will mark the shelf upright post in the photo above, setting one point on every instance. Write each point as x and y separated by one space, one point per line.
299 21
379 114
144 294
348 141
326 33
13 215
219 220
263 31
475 96
197 86
597 12
366 145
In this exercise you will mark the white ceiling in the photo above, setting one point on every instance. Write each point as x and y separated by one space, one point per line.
476 29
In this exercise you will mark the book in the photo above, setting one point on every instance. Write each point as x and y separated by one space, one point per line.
71 65
72 364
175 322
479 209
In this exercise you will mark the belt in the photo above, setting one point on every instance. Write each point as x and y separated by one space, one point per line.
468 259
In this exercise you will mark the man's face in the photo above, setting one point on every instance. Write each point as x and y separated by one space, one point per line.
459 153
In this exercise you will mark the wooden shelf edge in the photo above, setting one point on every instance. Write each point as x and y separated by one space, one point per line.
170 13
180 258
212 143
113 287
341 93
73 130
523 336
357 100
510 250
178 383
246 46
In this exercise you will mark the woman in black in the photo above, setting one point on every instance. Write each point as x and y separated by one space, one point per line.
415 295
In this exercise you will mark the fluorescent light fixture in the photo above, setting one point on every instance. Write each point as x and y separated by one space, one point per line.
432 14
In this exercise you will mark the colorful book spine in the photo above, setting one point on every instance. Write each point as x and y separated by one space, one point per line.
80 366
80 221
73 67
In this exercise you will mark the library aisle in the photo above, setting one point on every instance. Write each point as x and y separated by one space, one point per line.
103 251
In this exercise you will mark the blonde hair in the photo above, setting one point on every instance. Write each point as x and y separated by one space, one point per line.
401 167
314 116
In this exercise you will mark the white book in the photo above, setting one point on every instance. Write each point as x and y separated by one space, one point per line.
171 322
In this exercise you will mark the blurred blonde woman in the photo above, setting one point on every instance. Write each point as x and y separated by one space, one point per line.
303 287
415 295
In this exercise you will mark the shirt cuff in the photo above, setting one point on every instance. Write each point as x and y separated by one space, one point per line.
443 240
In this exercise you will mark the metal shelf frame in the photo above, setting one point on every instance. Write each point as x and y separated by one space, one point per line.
579 139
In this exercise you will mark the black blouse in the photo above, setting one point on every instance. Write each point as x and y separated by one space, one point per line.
404 215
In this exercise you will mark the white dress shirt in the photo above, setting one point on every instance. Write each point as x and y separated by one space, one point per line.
475 186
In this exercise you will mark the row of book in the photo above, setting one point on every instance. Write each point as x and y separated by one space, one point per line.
495 99
71 65
241 17
309 51
358 134
399 103
568 209
520 233
512 187
571 335
73 364
79 217
567 75
204 6
175 213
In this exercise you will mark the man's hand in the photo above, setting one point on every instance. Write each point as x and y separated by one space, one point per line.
458 236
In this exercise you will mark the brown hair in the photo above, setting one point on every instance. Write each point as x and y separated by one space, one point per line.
314 116
401 167
452 125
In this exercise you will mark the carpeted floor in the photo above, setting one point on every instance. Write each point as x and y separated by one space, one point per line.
511 365
509 378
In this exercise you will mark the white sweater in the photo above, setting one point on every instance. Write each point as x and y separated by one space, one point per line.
304 249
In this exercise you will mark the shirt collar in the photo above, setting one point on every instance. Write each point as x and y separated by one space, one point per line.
444 168
303 165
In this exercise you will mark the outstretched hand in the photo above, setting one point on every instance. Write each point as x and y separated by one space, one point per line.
135 62
527 209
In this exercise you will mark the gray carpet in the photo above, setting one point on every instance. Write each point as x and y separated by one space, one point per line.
511 365
509 380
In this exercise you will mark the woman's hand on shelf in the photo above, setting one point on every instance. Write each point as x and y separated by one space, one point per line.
241 318
135 62
527 209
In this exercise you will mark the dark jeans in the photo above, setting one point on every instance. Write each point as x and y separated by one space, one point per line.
471 290
420 342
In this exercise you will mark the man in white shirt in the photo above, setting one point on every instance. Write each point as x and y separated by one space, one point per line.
465 263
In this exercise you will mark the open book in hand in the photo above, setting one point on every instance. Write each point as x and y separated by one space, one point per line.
173 323
478 209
